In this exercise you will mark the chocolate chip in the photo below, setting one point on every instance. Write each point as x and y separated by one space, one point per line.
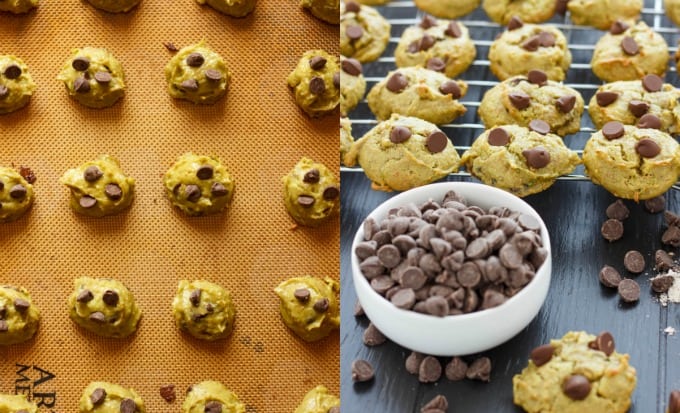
168 393
354 32
531 44
438 404
190 85
618 27
205 172
671 236
404 298
128 406
537 77
671 218
113 191
85 296
649 121
663 260
498 137
351 66
437 306
92 173
4 92
655 205
426 42
302 294
566 103
213 75
436 141
171 47
630 46
399 134
195 60
609 277
321 305
438 65
389 255
12 71
21 305
311 177
542 354
647 148
103 77
605 343
97 317
81 85
412 277
613 130
192 192
629 290
336 80
397 83
352 6
362 371
455 369
576 387
515 23
373 336
450 87
195 297
427 22
662 283
358 310
480 369
330 193
81 64
606 98
317 62
561 7
612 230
413 362
652 83
18 191
453 29
4 326
97 397
87 202
218 190
430 370
213 407
537 157
110 298
674 402
317 85
539 126
634 262
546 39
27 174
519 99
638 107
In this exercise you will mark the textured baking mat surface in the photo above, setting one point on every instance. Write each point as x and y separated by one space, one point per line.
259 133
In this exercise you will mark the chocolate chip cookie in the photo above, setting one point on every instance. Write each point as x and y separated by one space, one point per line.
530 11
212 397
104 397
197 74
16 83
204 310
16 195
319 400
316 83
233 8
93 77
447 9
346 138
364 33
601 14
19 317
311 193
352 84
672 8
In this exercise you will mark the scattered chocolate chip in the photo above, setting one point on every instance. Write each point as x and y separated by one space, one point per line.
190 85
81 64
566 103
436 141
430 370
456 369
537 157
113 191
213 75
629 290
213 407
453 29
192 192
110 298
663 260
84 296
613 130
498 137
519 99
98 395
12 71
97 317
205 172
317 62
354 32
302 294
649 121
195 60
128 406
634 262
87 201
312 176
576 387
630 46
217 190
171 47
81 85
438 404
647 148
609 277
515 23
317 85
671 236
195 297
330 193
539 126
638 107
27 174
480 369
438 65
605 343
362 371
606 98
450 87
4 92
546 39
537 77
674 402
358 309
427 22
18 191
21 305
655 205
168 393
321 305
413 362
103 77
662 283
373 336
92 173
652 83
397 83
618 27
352 67
531 44
612 230
399 134
542 354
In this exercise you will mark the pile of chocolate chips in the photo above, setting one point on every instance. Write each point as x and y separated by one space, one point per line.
449 258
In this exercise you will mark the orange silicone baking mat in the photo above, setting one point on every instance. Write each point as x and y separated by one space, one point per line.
259 133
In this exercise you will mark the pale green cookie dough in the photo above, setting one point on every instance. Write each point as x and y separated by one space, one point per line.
630 94
440 45
93 77
326 10
99 187
233 8
447 9
15 403
104 397
352 84
512 53
311 193
346 138
115 6
421 154
611 63
16 195
530 11
539 389
368 35
510 167
19 318
318 400
601 14
316 83
199 185
16 84
104 307
619 168
211 397
672 10
310 306
421 93
198 74
204 310
18 6
507 104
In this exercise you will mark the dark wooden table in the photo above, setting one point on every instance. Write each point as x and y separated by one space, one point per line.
573 212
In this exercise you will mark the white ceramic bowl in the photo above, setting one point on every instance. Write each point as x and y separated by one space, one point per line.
459 334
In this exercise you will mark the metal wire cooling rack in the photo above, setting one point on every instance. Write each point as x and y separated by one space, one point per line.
463 131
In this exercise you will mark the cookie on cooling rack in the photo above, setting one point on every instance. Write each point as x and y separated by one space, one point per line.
530 11
524 47
364 33
414 91
672 10
447 9
346 138
440 45
520 160
601 14
373 2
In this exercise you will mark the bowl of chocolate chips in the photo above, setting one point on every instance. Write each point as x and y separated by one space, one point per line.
452 268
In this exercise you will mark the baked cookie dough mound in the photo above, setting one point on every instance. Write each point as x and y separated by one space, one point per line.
318 400
93 77
520 160
524 47
518 100
198 74
352 84
104 307
364 33
310 306
672 10
316 83
402 153
631 162
326 10
578 373
629 53
199 185
211 397
18 6
16 195
16 84
530 11
311 193
440 45
601 14
447 9
115 6
104 397
233 8
346 138
418 92
629 100
204 310
16 403
99 188
19 318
